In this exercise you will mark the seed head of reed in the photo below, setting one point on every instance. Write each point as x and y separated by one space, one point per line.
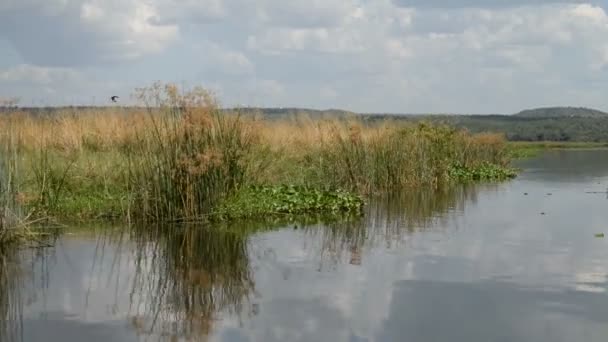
355 134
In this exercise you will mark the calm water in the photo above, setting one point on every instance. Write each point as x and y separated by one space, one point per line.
477 264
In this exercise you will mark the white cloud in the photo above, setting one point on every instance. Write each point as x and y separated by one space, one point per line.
37 85
276 41
360 28
84 32
478 3
49 7
307 13
591 12
223 61
177 11
396 49
425 57
328 92
38 75
270 88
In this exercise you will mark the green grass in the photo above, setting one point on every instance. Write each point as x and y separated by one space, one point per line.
521 150
82 185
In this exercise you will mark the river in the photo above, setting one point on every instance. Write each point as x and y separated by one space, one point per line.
515 261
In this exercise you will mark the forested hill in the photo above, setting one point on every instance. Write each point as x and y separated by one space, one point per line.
562 112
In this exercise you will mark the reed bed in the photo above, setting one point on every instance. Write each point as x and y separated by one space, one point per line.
12 224
179 156
390 156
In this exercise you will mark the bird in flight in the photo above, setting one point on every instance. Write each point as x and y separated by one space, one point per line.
113 98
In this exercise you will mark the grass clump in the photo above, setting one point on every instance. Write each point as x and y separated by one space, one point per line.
258 201
189 157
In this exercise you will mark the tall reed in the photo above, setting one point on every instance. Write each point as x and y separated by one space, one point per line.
391 156
189 155
10 212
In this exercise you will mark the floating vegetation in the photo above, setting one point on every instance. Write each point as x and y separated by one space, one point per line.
257 201
483 172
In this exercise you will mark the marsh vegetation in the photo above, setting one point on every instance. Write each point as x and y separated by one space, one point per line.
180 157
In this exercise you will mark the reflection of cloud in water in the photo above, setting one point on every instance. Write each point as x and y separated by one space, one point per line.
488 311
58 327
591 282
566 166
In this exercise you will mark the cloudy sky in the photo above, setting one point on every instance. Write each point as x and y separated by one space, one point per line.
455 56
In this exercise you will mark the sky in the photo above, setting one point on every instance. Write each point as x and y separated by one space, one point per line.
400 56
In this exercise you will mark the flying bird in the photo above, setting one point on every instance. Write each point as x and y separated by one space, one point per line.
113 98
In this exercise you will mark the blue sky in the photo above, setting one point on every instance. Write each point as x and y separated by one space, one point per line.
458 56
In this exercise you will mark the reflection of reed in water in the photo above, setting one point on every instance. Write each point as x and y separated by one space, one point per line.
389 220
10 299
186 277
419 210
19 286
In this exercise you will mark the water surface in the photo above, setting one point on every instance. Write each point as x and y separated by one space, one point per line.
516 261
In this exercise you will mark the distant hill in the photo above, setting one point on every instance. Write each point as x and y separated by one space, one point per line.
289 111
562 112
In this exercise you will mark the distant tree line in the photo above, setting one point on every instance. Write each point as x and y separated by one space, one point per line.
542 127
521 128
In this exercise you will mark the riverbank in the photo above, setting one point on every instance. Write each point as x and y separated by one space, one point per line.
184 159
530 149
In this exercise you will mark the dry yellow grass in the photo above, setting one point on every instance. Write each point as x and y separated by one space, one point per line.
109 128
68 131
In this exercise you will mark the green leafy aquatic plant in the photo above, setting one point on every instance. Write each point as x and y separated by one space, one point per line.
483 172
256 201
